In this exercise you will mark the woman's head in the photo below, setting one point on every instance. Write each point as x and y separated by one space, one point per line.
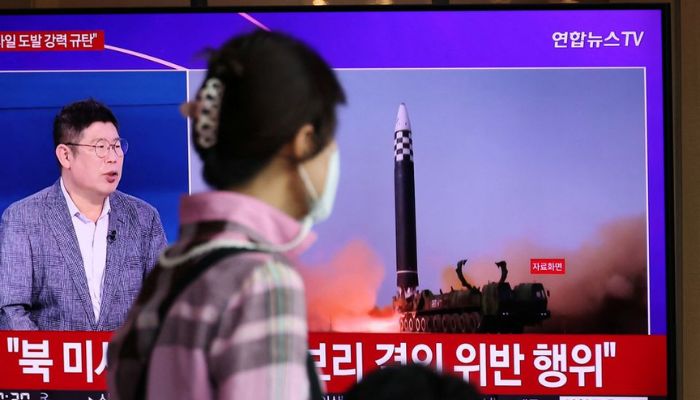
263 91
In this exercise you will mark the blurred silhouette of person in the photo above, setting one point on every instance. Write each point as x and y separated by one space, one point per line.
411 382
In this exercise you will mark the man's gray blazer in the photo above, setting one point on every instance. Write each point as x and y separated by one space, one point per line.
42 278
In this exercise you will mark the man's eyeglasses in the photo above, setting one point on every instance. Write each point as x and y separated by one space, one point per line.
102 147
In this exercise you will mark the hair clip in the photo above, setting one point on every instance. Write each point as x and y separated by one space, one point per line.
209 100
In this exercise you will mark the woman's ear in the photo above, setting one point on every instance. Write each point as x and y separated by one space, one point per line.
303 143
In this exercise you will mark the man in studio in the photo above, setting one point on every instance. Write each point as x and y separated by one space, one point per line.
73 256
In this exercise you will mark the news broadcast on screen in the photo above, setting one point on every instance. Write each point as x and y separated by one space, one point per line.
503 211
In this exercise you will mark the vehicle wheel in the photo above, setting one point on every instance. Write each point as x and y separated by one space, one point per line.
464 323
433 324
454 323
445 323
474 322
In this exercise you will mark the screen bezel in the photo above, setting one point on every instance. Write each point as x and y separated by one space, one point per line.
671 155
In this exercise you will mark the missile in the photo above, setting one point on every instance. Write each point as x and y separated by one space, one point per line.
405 206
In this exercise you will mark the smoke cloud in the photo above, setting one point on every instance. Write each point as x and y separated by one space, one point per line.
604 289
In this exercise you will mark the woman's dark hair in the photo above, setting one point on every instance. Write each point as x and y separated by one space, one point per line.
273 85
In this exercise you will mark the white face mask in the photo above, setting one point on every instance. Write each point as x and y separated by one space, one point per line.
320 207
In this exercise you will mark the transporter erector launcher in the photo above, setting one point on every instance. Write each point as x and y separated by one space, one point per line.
405 206
495 307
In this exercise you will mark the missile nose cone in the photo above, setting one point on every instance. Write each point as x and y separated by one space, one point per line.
402 122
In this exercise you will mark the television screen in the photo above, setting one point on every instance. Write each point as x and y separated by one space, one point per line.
503 209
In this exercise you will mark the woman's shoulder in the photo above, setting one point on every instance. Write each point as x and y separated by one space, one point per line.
260 271
251 272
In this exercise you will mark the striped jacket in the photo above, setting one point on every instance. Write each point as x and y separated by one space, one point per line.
42 276
238 331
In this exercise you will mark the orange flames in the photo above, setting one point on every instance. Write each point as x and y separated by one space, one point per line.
342 295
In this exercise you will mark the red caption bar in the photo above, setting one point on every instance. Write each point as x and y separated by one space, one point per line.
52 40
547 266
592 365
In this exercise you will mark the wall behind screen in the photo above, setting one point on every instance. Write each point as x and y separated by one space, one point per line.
690 195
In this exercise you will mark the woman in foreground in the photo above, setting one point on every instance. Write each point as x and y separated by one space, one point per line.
223 314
